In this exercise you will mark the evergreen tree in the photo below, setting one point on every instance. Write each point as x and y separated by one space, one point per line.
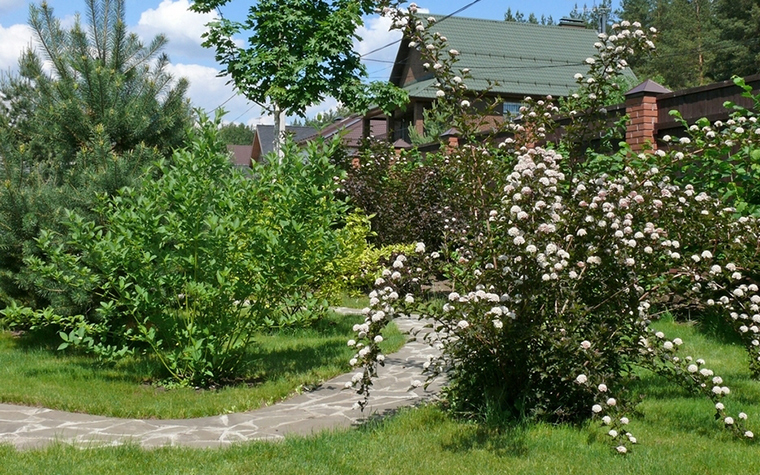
236 134
107 108
737 50
687 40
594 16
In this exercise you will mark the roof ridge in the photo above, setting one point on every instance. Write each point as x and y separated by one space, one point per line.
488 20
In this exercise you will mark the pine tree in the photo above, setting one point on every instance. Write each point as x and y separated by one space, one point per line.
687 39
738 42
107 108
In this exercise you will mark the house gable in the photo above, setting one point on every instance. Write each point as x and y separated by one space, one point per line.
263 140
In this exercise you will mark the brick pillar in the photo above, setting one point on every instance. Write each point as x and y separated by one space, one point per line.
641 107
451 138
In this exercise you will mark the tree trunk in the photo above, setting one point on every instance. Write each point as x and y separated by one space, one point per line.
279 129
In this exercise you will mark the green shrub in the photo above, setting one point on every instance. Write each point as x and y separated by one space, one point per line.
189 264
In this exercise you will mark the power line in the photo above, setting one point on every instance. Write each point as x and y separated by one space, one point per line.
234 94
439 21
244 113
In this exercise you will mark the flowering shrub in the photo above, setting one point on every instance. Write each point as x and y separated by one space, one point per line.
558 272
187 266
729 155
553 300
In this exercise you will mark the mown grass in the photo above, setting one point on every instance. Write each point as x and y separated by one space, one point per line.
676 431
281 363
351 300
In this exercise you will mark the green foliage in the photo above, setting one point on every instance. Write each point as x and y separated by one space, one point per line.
592 16
108 109
236 134
435 124
728 161
701 42
189 265
298 53
558 268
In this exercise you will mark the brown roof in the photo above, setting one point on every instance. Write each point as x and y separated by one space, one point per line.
350 130
240 154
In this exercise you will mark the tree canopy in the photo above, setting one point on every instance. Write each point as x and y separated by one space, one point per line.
236 134
700 41
299 52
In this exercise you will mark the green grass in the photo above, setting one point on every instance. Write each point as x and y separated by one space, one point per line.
354 300
676 431
280 364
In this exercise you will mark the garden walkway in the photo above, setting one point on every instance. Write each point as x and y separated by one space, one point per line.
327 407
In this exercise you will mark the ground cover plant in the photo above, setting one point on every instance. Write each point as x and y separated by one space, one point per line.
558 270
282 363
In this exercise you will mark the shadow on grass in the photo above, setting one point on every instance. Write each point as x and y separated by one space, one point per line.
505 439
502 441
283 353
268 363
710 324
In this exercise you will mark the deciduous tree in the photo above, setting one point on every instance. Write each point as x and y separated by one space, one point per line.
299 52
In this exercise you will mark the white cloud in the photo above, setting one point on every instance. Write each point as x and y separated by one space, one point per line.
15 39
183 27
374 34
208 91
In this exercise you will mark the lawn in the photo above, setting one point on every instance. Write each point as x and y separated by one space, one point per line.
676 433
280 364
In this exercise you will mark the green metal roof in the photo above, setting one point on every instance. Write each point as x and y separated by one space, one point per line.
525 59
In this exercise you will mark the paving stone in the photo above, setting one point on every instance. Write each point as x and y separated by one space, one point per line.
328 406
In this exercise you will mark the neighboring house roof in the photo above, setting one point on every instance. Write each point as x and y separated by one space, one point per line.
240 154
263 141
524 58
351 129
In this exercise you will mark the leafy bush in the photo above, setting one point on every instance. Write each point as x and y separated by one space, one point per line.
360 262
728 162
189 264
402 194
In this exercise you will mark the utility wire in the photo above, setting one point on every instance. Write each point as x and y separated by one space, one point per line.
439 21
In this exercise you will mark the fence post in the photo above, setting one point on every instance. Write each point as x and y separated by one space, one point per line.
641 107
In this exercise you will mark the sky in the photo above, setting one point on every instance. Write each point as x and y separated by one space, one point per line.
189 59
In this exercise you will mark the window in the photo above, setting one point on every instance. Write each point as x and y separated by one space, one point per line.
511 108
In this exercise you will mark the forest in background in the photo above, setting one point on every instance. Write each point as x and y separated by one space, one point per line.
699 41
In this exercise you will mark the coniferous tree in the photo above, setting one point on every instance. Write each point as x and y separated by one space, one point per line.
107 108
687 40
738 43
236 134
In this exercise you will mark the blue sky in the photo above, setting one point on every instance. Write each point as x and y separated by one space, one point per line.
183 28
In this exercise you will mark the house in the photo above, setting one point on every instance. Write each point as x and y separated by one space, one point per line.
524 59
351 131
263 140
240 155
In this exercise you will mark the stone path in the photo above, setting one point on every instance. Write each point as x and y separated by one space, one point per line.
328 406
